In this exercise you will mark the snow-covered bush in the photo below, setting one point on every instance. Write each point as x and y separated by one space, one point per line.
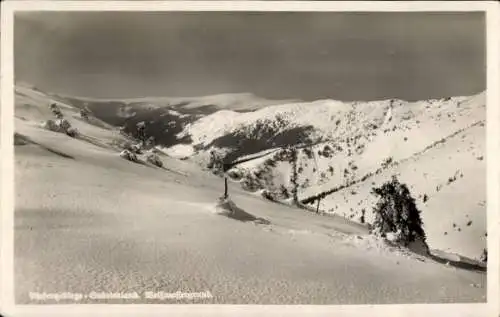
50 125
72 132
56 111
397 217
216 162
136 148
267 195
154 159
128 155
85 113
63 124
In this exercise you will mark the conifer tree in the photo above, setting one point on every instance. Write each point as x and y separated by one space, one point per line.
397 213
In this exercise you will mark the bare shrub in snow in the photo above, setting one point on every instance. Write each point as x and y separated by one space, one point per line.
128 155
397 217
154 159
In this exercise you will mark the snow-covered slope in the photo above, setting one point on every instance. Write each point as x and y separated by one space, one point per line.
87 220
376 139
343 149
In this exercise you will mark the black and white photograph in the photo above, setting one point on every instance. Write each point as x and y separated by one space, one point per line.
249 157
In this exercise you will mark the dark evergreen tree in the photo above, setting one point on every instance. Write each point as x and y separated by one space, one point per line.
396 212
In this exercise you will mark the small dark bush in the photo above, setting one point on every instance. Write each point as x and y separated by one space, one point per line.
308 153
267 195
387 162
362 218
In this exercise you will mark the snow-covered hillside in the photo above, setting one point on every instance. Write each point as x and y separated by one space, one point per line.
339 147
372 142
146 225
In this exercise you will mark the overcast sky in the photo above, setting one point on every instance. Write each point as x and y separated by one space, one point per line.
345 56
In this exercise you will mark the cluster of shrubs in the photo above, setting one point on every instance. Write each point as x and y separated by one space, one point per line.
131 153
60 124
131 150
388 161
